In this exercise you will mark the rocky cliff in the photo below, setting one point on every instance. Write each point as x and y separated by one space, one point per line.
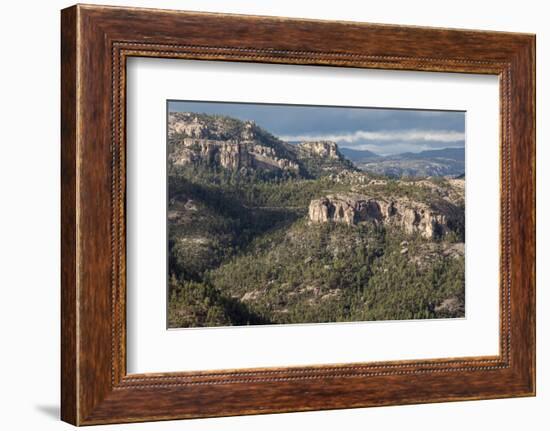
321 158
219 141
230 154
227 143
429 220
324 149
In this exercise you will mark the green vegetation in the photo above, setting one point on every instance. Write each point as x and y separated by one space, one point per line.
243 249
246 254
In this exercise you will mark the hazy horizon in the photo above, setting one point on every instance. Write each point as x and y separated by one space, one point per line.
384 131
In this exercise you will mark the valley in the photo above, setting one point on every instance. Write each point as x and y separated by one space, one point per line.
263 231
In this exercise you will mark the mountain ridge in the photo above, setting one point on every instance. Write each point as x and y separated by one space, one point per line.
243 146
441 162
261 231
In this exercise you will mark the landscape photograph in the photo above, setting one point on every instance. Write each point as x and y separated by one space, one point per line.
299 214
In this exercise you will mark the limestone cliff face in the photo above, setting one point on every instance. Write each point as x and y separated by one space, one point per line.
220 141
430 221
228 143
187 126
229 154
322 158
321 149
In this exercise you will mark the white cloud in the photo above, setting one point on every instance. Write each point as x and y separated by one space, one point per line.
390 148
412 135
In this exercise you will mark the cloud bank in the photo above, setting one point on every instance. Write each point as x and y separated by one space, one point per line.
385 142
383 131
382 135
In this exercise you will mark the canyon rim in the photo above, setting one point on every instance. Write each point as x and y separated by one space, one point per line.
285 214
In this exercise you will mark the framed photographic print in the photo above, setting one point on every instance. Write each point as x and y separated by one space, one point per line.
265 215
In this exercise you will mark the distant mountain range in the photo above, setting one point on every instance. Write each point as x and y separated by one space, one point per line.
359 156
442 162
214 141
242 146
264 231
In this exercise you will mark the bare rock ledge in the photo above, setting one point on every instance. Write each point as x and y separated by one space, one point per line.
412 216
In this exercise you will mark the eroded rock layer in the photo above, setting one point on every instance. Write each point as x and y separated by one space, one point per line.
430 221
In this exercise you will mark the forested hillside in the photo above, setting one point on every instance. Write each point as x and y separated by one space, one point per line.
263 232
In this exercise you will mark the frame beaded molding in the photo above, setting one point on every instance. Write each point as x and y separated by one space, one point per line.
123 49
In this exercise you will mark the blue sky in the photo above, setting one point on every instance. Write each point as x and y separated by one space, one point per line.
383 131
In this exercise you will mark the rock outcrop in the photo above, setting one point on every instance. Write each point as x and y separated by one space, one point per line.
430 221
322 158
230 154
186 125
225 142
229 143
322 149
450 307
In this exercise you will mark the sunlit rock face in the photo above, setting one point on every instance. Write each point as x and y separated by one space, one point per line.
219 142
323 149
430 221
